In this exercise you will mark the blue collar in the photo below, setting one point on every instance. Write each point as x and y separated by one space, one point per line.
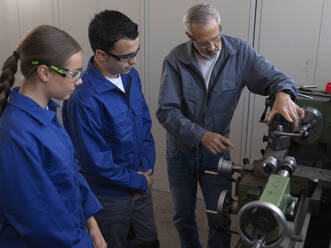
32 108
98 81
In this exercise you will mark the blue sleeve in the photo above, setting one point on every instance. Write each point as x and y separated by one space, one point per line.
29 199
90 204
263 78
148 145
94 154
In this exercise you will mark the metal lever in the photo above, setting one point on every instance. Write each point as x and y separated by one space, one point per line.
287 134
305 96
308 86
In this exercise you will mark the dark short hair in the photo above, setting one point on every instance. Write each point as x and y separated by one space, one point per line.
108 27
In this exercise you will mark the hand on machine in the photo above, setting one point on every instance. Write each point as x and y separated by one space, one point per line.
282 197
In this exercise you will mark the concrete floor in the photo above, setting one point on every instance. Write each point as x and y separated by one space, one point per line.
168 235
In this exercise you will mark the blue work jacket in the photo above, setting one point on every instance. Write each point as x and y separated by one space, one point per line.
44 200
111 132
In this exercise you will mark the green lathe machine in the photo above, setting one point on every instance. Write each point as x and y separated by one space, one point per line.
284 199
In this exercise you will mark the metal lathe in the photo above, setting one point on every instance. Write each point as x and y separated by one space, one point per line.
283 199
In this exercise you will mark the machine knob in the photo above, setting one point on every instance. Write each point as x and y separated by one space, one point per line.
269 165
287 166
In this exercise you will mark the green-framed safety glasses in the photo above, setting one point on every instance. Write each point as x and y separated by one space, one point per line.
76 75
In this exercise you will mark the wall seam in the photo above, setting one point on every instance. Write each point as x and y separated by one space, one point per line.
252 97
55 13
319 42
255 27
19 19
246 93
146 52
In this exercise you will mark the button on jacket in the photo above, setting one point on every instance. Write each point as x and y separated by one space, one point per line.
44 200
187 109
111 133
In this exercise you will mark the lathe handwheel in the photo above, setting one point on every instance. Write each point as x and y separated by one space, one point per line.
243 218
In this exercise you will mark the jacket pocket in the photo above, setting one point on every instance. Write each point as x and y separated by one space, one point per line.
225 96
226 85
192 102
61 175
118 125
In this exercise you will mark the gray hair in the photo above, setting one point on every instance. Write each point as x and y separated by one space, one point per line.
200 13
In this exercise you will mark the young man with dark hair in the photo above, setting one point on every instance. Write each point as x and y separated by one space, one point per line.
109 123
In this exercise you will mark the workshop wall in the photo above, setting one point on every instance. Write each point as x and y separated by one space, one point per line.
293 35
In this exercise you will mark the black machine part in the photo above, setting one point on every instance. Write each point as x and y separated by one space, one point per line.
309 131
311 127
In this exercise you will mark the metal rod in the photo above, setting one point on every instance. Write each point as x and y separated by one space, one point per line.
305 96
211 172
308 86
211 212
287 134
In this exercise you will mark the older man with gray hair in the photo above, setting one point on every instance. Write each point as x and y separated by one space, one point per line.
202 80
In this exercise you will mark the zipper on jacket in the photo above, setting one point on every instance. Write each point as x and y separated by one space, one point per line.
213 84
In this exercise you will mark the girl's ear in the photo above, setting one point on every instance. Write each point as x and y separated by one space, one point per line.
43 73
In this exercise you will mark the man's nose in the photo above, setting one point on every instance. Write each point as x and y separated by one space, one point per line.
211 47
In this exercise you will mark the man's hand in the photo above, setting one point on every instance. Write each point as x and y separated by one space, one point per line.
148 177
136 197
215 143
95 233
284 105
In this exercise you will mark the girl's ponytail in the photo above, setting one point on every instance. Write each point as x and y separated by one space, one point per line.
7 79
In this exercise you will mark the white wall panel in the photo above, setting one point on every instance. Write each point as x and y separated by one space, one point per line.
323 66
20 16
128 7
11 16
4 43
288 37
74 17
34 12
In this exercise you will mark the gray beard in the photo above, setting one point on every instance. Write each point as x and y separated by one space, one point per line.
210 57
